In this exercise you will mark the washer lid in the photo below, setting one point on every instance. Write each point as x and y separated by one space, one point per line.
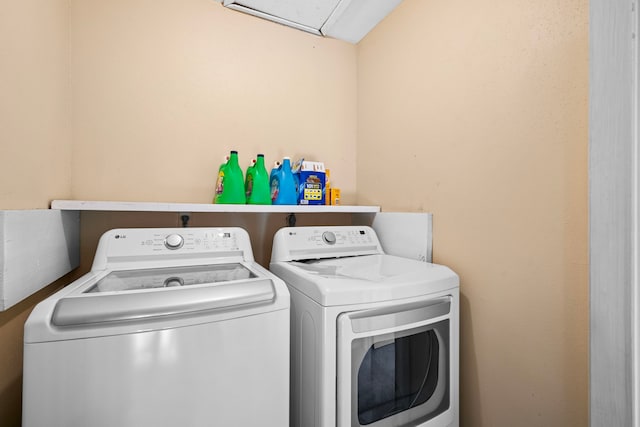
365 279
127 295
149 278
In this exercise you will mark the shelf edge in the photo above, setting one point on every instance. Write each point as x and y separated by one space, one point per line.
115 206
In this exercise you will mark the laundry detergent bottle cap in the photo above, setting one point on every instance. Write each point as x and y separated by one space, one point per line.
283 188
230 185
257 186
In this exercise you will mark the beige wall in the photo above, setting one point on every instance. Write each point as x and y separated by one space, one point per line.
162 90
35 147
477 112
140 100
35 142
480 107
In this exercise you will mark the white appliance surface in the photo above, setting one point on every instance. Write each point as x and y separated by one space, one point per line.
170 327
345 288
352 268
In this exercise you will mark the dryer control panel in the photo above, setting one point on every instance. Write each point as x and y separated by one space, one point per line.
300 243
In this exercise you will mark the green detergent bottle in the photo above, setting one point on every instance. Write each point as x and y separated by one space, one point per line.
219 178
230 184
248 180
257 186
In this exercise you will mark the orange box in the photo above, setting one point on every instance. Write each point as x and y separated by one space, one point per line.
335 196
327 187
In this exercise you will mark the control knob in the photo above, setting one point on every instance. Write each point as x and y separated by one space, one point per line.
329 238
174 241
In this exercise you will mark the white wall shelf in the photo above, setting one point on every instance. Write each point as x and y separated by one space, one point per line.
85 205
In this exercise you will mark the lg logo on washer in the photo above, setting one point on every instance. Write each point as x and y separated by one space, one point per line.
120 236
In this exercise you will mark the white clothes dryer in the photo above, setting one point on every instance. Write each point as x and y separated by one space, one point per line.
374 337
172 327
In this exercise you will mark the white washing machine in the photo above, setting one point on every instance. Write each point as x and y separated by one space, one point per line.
172 327
374 337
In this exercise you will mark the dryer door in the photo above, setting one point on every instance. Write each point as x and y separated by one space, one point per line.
394 365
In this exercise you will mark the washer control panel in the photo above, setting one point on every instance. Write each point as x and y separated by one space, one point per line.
148 242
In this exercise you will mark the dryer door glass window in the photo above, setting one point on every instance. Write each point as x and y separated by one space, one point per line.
401 378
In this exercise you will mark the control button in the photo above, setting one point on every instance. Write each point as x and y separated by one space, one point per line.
174 241
329 238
